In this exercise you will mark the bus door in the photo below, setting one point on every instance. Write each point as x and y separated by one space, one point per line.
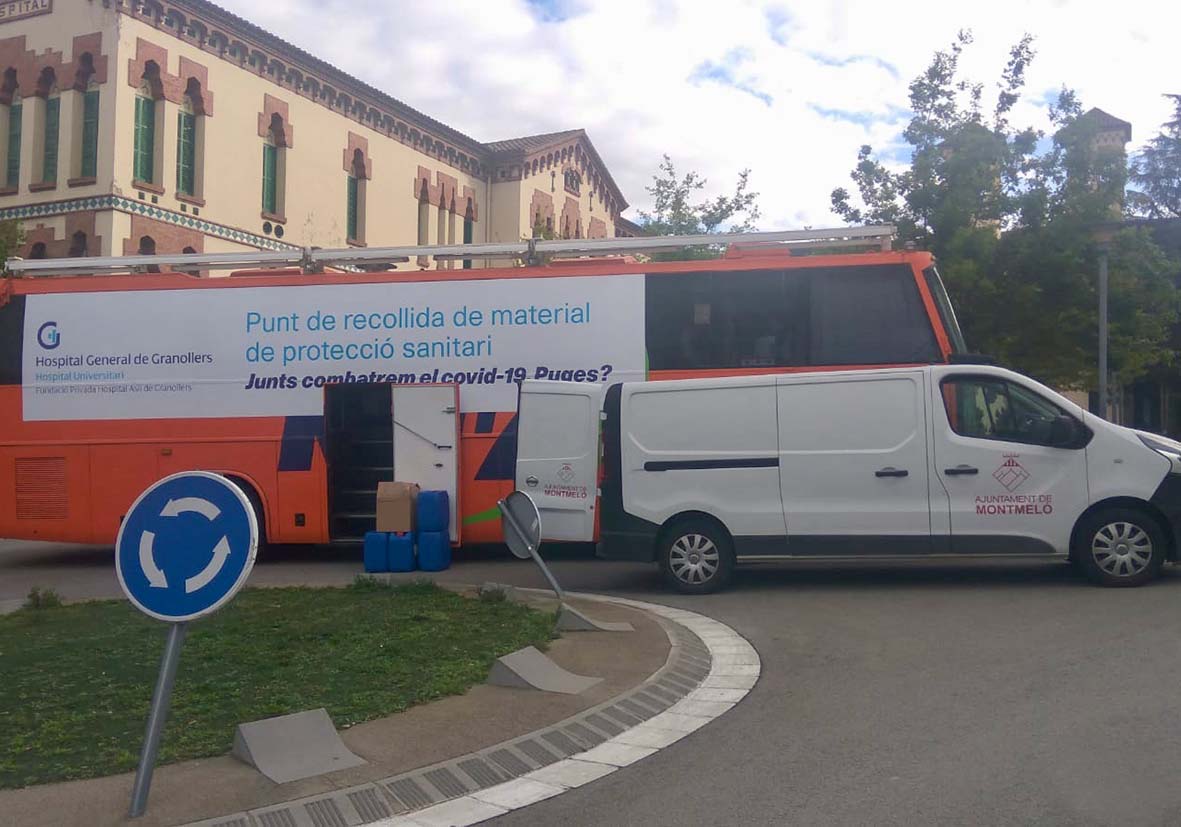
558 455
426 441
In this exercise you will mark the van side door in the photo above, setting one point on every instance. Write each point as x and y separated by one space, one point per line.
558 455
853 460
1014 486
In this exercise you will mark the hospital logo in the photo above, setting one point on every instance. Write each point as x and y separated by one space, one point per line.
48 337
1011 474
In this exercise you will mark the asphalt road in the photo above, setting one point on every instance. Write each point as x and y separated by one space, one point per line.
973 694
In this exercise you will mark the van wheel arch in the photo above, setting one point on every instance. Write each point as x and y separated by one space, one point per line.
671 524
684 548
1133 503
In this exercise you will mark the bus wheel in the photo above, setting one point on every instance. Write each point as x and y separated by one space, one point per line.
696 556
256 504
1120 547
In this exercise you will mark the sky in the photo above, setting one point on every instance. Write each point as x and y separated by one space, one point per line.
788 90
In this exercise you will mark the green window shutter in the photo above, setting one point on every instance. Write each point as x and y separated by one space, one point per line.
270 175
468 228
186 152
352 209
13 165
53 108
145 139
90 135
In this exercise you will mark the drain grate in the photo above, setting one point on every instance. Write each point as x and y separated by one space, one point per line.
585 734
604 724
325 813
446 782
640 711
509 762
562 742
537 752
277 818
483 773
369 805
621 715
409 794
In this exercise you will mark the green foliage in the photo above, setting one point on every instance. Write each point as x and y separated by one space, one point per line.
11 238
40 598
1014 230
678 209
1156 172
78 679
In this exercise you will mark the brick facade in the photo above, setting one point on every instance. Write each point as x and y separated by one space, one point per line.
169 238
78 222
171 88
28 67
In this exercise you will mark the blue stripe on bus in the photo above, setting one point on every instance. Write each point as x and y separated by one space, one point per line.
299 441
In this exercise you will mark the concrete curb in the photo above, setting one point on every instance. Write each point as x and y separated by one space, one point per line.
710 668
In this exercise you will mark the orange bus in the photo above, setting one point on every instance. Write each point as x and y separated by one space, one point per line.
311 388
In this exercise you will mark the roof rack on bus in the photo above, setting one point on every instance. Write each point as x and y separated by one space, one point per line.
530 251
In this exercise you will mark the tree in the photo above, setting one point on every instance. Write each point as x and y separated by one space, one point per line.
1156 171
675 210
1013 229
11 238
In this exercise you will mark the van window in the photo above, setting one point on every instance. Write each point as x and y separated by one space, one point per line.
995 409
867 315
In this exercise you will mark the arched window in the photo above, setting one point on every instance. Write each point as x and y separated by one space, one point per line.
441 235
47 125
274 169
11 132
190 141
147 247
147 103
86 118
78 245
469 222
356 199
37 250
190 251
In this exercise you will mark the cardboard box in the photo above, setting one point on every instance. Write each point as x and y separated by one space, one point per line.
396 505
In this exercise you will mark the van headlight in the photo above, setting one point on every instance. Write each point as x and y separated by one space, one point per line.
1167 448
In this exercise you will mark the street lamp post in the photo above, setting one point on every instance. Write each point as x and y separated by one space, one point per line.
1103 248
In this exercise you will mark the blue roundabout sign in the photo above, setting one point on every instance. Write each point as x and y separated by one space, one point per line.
186 546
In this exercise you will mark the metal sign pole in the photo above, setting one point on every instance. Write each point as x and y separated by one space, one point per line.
161 698
519 529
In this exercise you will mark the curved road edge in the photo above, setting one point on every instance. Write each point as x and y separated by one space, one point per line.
735 667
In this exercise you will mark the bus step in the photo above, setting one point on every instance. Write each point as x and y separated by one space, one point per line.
360 478
353 500
365 452
353 522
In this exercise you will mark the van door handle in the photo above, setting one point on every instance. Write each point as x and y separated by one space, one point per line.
961 471
892 472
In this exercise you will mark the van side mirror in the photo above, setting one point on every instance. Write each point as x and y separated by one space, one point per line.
1064 432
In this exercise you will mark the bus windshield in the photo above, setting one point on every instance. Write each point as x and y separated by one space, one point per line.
946 312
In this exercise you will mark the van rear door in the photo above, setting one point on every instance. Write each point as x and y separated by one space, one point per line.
558 455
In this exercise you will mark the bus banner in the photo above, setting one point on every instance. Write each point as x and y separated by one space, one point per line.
269 351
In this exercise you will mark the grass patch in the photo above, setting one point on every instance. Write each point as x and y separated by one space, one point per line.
76 680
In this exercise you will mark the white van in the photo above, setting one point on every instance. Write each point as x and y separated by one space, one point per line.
947 461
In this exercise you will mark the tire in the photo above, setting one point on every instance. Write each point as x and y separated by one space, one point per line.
256 504
1120 547
696 556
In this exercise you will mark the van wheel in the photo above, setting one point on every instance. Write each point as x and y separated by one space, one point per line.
696 556
1120 547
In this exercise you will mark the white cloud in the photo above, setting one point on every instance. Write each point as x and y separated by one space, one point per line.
803 86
